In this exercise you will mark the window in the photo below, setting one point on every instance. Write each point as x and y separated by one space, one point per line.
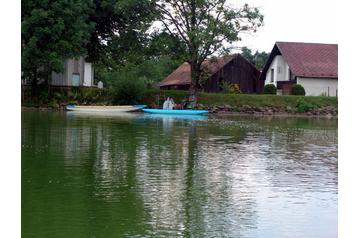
272 75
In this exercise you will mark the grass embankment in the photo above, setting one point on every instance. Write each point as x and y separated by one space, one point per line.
215 102
254 103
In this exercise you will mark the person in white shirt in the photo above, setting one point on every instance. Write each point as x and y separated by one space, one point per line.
166 104
171 103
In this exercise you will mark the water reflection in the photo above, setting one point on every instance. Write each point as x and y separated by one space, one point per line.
114 115
144 175
174 117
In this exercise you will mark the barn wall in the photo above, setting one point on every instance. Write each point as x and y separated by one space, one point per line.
237 71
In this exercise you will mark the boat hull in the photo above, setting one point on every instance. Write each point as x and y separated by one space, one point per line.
102 109
176 112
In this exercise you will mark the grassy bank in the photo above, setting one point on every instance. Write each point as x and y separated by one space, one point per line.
215 102
251 103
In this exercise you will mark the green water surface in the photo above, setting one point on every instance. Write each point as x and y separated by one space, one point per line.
138 175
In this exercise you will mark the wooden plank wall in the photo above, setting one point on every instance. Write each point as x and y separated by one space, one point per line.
237 71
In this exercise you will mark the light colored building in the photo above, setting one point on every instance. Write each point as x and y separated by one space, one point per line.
313 65
77 72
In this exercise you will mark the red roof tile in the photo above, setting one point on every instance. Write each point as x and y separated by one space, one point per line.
311 59
182 75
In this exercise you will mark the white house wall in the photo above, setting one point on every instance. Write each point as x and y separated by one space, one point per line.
88 81
319 86
281 70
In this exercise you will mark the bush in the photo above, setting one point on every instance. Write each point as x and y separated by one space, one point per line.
297 89
228 87
58 96
304 106
91 95
44 97
129 91
270 89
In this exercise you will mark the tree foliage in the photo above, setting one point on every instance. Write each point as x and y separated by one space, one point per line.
149 71
206 27
258 58
119 33
162 54
52 31
163 44
128 90
108 32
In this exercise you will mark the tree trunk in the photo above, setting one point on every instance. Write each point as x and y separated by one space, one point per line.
22 92
34 88
195 76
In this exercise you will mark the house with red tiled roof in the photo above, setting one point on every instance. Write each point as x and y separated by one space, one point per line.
233 69
312 65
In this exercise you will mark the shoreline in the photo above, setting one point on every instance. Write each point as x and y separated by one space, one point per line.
215 103
280 114
216 113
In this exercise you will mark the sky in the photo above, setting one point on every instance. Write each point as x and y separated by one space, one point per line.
296 21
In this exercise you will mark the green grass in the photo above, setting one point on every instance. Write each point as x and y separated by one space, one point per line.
239 100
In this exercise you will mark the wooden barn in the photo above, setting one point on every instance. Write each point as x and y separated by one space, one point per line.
233 69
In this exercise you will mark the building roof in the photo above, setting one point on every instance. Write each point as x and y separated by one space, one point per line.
182 75
310 60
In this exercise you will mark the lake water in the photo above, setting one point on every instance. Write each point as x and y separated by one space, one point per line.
150 176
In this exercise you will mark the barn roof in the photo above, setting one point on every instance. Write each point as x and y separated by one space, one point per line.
306 59
182 75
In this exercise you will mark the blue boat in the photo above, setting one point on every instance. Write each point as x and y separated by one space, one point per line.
176 112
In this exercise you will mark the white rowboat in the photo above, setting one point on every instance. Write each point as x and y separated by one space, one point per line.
111 109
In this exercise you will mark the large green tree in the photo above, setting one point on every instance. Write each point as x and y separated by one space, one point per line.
52 31
206 27
161 55
120 31
110 33
258 58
